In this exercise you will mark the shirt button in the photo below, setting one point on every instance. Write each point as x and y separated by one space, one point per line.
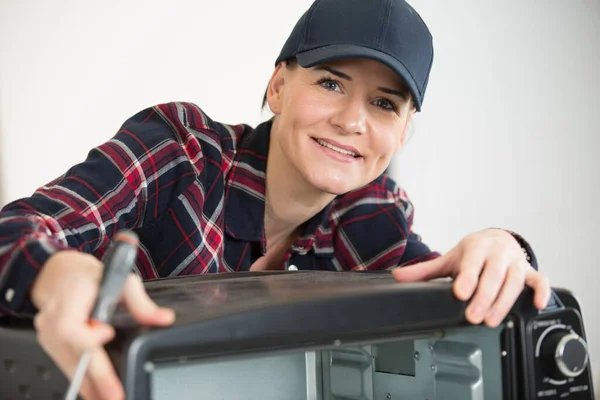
292 268
9 295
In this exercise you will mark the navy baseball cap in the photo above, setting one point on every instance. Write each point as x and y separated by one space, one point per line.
389 31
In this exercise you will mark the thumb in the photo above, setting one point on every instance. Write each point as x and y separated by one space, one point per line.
141 306
422 271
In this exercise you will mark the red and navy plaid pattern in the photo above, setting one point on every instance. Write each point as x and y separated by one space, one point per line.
194 191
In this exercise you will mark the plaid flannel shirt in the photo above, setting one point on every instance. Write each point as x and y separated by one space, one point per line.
194 191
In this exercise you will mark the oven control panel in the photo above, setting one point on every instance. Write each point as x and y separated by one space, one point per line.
561 358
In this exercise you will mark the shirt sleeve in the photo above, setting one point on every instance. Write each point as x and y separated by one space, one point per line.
417 251
122 184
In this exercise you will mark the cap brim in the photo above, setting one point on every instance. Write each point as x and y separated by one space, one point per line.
325 54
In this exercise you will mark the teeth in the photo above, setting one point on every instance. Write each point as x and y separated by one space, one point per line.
332 147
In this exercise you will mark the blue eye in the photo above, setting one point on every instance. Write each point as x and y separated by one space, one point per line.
333 85
329 84
386 104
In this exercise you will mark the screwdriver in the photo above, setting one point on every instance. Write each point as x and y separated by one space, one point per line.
119 261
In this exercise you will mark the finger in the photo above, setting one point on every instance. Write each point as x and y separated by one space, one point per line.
51 334
141 306
511 289
467 273
103 377
53 330
86 389
66 360
71 324
85 291
541 287
422 271
490 283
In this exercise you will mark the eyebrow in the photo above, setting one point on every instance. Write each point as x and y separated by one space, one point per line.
342 75
398 93
334 72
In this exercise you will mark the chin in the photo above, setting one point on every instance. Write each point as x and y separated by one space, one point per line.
335 185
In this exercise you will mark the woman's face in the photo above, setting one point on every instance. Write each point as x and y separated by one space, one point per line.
339 124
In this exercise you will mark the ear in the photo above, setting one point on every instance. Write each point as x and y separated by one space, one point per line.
404 135
275 89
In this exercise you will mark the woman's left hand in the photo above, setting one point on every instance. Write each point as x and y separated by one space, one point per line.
488 266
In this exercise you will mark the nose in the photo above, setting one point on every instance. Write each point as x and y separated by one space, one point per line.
351 117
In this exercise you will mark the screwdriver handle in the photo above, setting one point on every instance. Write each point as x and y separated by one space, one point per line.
119 262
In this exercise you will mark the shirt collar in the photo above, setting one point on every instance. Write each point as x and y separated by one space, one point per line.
245 197
245 186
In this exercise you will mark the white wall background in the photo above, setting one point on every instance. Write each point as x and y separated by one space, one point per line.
508 135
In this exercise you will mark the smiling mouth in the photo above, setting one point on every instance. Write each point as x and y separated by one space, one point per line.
337 149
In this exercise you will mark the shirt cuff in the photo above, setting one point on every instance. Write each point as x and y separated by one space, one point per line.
21 270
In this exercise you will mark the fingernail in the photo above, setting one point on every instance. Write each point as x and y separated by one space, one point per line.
493 318
462 291
475 312
167 314
105 333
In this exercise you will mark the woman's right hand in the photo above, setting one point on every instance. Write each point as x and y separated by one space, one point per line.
64 293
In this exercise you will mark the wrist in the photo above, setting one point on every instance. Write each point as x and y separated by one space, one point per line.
524 245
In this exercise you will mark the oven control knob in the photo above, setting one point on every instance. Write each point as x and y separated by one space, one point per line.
566 353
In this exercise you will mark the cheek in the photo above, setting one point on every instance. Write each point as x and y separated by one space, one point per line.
302 115
387 141
303 108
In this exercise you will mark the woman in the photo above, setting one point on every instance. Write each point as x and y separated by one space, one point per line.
306 189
